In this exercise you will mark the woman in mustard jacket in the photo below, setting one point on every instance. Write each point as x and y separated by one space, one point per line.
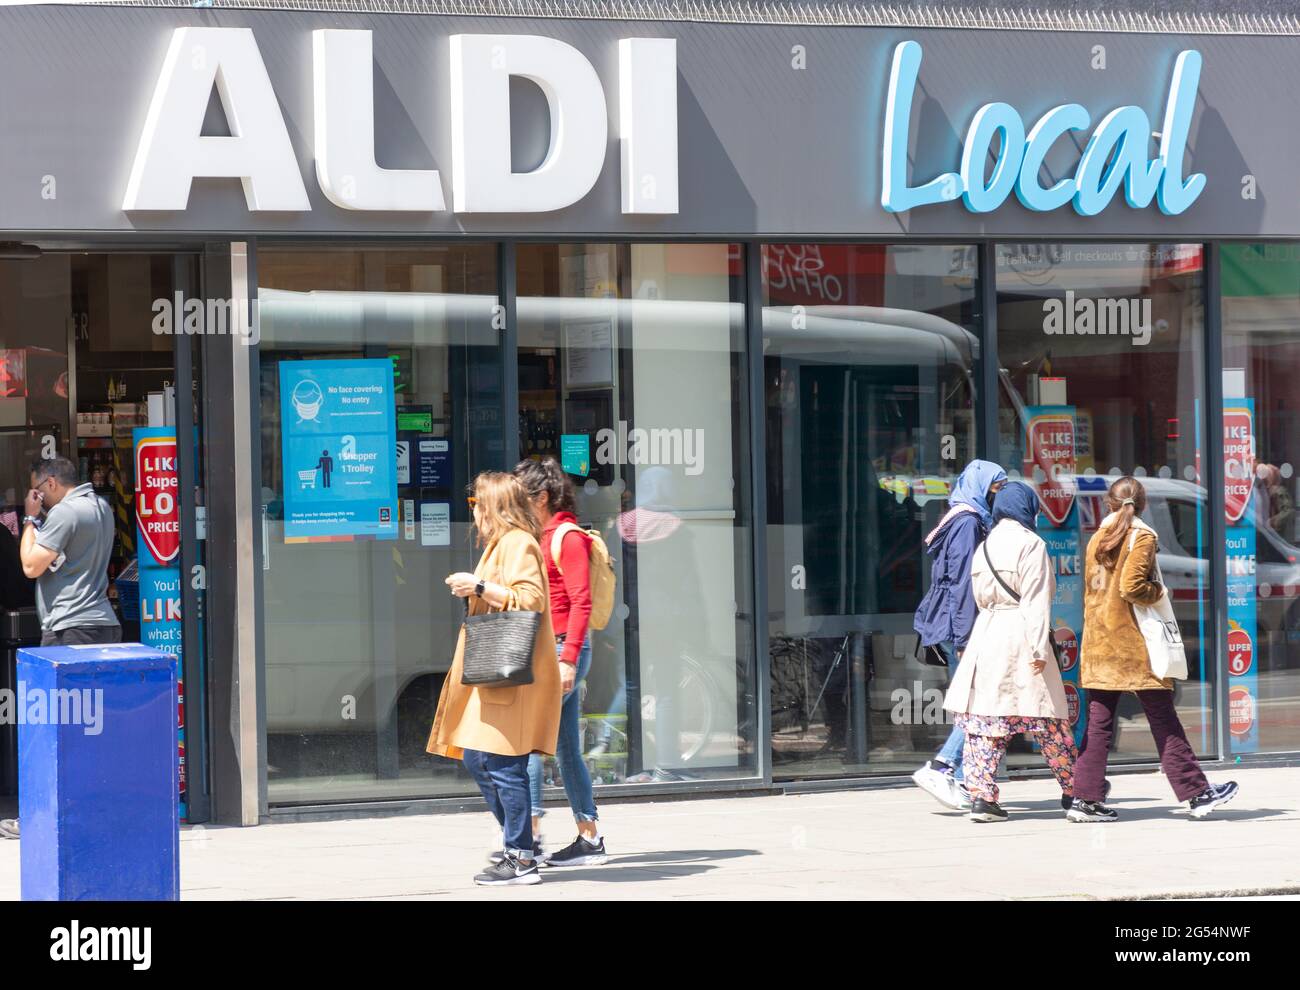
1118 574
495 729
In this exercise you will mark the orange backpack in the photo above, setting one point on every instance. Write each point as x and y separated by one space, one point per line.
600 568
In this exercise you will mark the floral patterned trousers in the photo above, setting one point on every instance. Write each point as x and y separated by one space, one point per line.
986 744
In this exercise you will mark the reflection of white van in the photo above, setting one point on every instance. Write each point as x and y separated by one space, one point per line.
372 621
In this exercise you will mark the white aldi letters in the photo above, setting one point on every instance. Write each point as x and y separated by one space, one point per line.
343 79
481 67
172 152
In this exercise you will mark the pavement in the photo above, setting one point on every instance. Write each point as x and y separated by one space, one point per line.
882 843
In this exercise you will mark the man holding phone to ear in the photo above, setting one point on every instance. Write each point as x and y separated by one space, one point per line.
67 550
67 541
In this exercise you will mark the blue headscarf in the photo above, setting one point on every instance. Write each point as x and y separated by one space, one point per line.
1016 501
972 488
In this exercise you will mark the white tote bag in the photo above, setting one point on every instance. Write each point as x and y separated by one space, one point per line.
1160 630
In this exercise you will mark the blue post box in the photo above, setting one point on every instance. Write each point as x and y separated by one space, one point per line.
98 773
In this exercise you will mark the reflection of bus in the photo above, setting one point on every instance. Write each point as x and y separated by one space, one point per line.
859 401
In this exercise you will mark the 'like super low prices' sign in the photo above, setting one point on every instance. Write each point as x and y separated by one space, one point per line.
1051 462
158 531
1238 484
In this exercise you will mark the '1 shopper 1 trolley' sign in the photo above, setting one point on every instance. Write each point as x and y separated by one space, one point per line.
339 429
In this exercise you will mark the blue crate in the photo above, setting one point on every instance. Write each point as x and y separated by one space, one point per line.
128 592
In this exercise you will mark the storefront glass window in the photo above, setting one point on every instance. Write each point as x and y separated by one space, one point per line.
1101 348
632 375
869 369
381 399
1261 413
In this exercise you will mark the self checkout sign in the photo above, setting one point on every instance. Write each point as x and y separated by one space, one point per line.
156 510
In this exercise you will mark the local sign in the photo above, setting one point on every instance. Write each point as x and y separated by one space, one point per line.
1116 154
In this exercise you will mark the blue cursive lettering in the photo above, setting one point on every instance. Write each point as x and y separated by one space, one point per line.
1115 156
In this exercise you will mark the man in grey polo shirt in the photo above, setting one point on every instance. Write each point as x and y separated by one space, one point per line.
67 553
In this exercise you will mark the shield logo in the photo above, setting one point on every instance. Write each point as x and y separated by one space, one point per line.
1241 711
1050 462
1241 650
1238 460
157 513
1072 701
1069 643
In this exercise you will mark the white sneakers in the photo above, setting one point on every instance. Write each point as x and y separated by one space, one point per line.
941 786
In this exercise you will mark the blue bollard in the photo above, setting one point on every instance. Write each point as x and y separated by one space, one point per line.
98 774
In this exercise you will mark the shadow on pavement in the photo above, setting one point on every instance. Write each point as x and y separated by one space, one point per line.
638 868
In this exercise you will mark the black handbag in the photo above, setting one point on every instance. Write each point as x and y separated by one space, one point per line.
931 656
499 648
1056 647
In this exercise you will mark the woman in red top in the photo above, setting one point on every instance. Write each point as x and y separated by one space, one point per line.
551 493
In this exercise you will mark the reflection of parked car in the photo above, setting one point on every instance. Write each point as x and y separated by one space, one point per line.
921 488
1176 510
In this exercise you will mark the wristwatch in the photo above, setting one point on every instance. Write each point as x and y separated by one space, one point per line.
480 588
34 520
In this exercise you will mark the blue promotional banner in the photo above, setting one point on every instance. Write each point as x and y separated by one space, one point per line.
158 544
339 449
1050 461
1239 508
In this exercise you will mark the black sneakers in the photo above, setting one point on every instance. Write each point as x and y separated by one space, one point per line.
1090 811
508 872
1214 795
1067 800
579 852
986 811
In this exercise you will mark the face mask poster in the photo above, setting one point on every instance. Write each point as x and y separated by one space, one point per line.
339 443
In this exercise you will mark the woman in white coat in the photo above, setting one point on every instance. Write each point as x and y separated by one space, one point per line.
1008 682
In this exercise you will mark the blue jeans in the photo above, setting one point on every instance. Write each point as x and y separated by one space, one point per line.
568 750
952 749
504 783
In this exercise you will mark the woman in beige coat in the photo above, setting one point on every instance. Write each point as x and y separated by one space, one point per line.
494 729
1119 573
1008 682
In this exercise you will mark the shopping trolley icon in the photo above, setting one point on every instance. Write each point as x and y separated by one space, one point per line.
307 479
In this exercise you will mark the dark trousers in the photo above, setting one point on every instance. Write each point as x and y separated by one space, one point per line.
504 783
82 636
1176 757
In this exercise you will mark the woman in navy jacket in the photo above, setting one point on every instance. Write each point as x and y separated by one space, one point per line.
947 613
